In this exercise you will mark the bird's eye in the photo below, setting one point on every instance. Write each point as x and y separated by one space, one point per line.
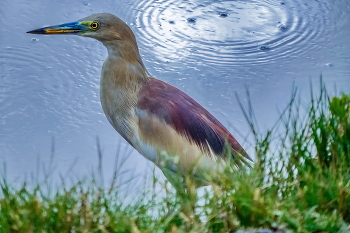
94 25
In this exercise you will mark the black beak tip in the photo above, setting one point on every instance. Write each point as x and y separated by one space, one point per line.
37 31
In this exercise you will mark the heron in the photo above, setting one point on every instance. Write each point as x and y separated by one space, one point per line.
160 121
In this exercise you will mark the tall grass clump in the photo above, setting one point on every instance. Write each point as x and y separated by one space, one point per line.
299 183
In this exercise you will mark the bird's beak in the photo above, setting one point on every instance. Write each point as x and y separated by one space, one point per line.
67 28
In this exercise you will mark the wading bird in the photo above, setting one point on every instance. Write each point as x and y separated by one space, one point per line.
161 122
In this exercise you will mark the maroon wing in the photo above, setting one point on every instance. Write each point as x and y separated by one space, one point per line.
187 117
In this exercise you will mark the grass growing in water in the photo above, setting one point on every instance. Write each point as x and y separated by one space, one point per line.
300 182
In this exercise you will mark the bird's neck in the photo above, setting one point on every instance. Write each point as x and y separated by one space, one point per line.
125 62
123 68
123 75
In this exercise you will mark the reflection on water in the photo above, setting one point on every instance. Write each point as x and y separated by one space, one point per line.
210 49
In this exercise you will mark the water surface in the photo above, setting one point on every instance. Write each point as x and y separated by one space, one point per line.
49 89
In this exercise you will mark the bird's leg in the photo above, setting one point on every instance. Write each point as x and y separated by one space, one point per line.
176 180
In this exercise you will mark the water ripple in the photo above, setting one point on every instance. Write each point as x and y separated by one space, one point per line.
29 79
226 32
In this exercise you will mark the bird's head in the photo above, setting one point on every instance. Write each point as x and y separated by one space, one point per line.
104 27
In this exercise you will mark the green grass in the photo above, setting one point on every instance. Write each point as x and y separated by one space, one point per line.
300 182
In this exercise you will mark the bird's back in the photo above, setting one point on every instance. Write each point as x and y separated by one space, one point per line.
177 125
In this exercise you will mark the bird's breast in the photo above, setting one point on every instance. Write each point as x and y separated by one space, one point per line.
119 86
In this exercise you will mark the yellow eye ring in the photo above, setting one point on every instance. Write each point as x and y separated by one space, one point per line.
94 25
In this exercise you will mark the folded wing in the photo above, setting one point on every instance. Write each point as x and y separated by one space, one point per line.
167 105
